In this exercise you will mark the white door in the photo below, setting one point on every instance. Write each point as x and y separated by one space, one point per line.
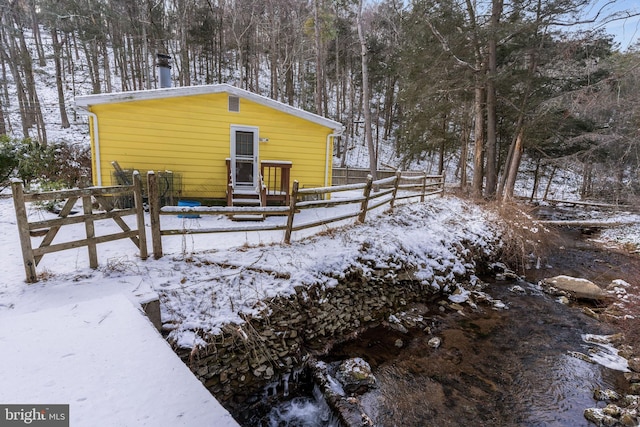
244 157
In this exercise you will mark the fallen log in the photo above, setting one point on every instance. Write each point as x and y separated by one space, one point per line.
585 223
615 206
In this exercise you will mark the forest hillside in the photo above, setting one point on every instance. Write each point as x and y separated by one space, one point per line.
494 92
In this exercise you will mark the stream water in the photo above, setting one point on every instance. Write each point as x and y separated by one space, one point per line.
509 367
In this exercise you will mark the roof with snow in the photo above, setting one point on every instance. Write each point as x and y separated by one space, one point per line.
87 101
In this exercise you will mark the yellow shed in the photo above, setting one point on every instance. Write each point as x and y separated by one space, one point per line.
222 141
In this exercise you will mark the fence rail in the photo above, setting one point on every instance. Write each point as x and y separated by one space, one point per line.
346 176
107 198
116 202
374 195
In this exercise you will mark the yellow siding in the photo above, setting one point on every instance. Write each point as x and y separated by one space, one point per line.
191 135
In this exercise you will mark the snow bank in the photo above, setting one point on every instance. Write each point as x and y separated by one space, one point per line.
106 360
431 238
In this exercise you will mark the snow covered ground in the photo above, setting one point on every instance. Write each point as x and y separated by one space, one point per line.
107 362
74 337
228 273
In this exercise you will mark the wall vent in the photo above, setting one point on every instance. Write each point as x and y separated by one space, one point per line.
234 104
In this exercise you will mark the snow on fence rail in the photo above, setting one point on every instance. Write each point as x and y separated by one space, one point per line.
384 191
107 197
116 202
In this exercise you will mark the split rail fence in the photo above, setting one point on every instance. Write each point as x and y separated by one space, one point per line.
107 198
374 195
116 202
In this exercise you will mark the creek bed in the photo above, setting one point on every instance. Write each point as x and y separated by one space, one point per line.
518 366
507 367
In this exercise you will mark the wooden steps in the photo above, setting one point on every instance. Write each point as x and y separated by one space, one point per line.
242 197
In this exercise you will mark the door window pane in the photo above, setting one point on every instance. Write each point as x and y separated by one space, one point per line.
244 172
244 144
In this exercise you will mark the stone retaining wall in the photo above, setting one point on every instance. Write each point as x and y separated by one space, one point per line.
244 358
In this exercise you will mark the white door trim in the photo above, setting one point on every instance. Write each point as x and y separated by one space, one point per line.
253 158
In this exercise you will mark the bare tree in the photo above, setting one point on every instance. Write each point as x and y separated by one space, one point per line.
366 95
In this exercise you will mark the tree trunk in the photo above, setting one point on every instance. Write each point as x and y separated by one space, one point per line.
585 190
289 86
464 154
389 101
491 145
130 60
536 180
442 145
9 56
516 147
3 128
23 57
37 37
373 161
273 53
319 58
478 134
548 187
57 54
514 166
106 67
91 64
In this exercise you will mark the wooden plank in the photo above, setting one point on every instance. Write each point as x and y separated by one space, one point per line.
328 203
125 227
90 232
379 203
414 187
409 196
78 219
335 189
79 192
53 231
154 214
324 221
292 212
235 229
381 193
385 181
225 210
395 189
23 231
363 206
84 242
419 178
139 207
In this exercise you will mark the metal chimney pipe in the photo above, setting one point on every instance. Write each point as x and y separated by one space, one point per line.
164 69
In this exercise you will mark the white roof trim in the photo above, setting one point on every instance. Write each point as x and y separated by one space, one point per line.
87 101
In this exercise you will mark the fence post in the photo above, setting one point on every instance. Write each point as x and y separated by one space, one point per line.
424 186
292 212
23 231
90 231
365 203
395 188
443 178
139 203
154 214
